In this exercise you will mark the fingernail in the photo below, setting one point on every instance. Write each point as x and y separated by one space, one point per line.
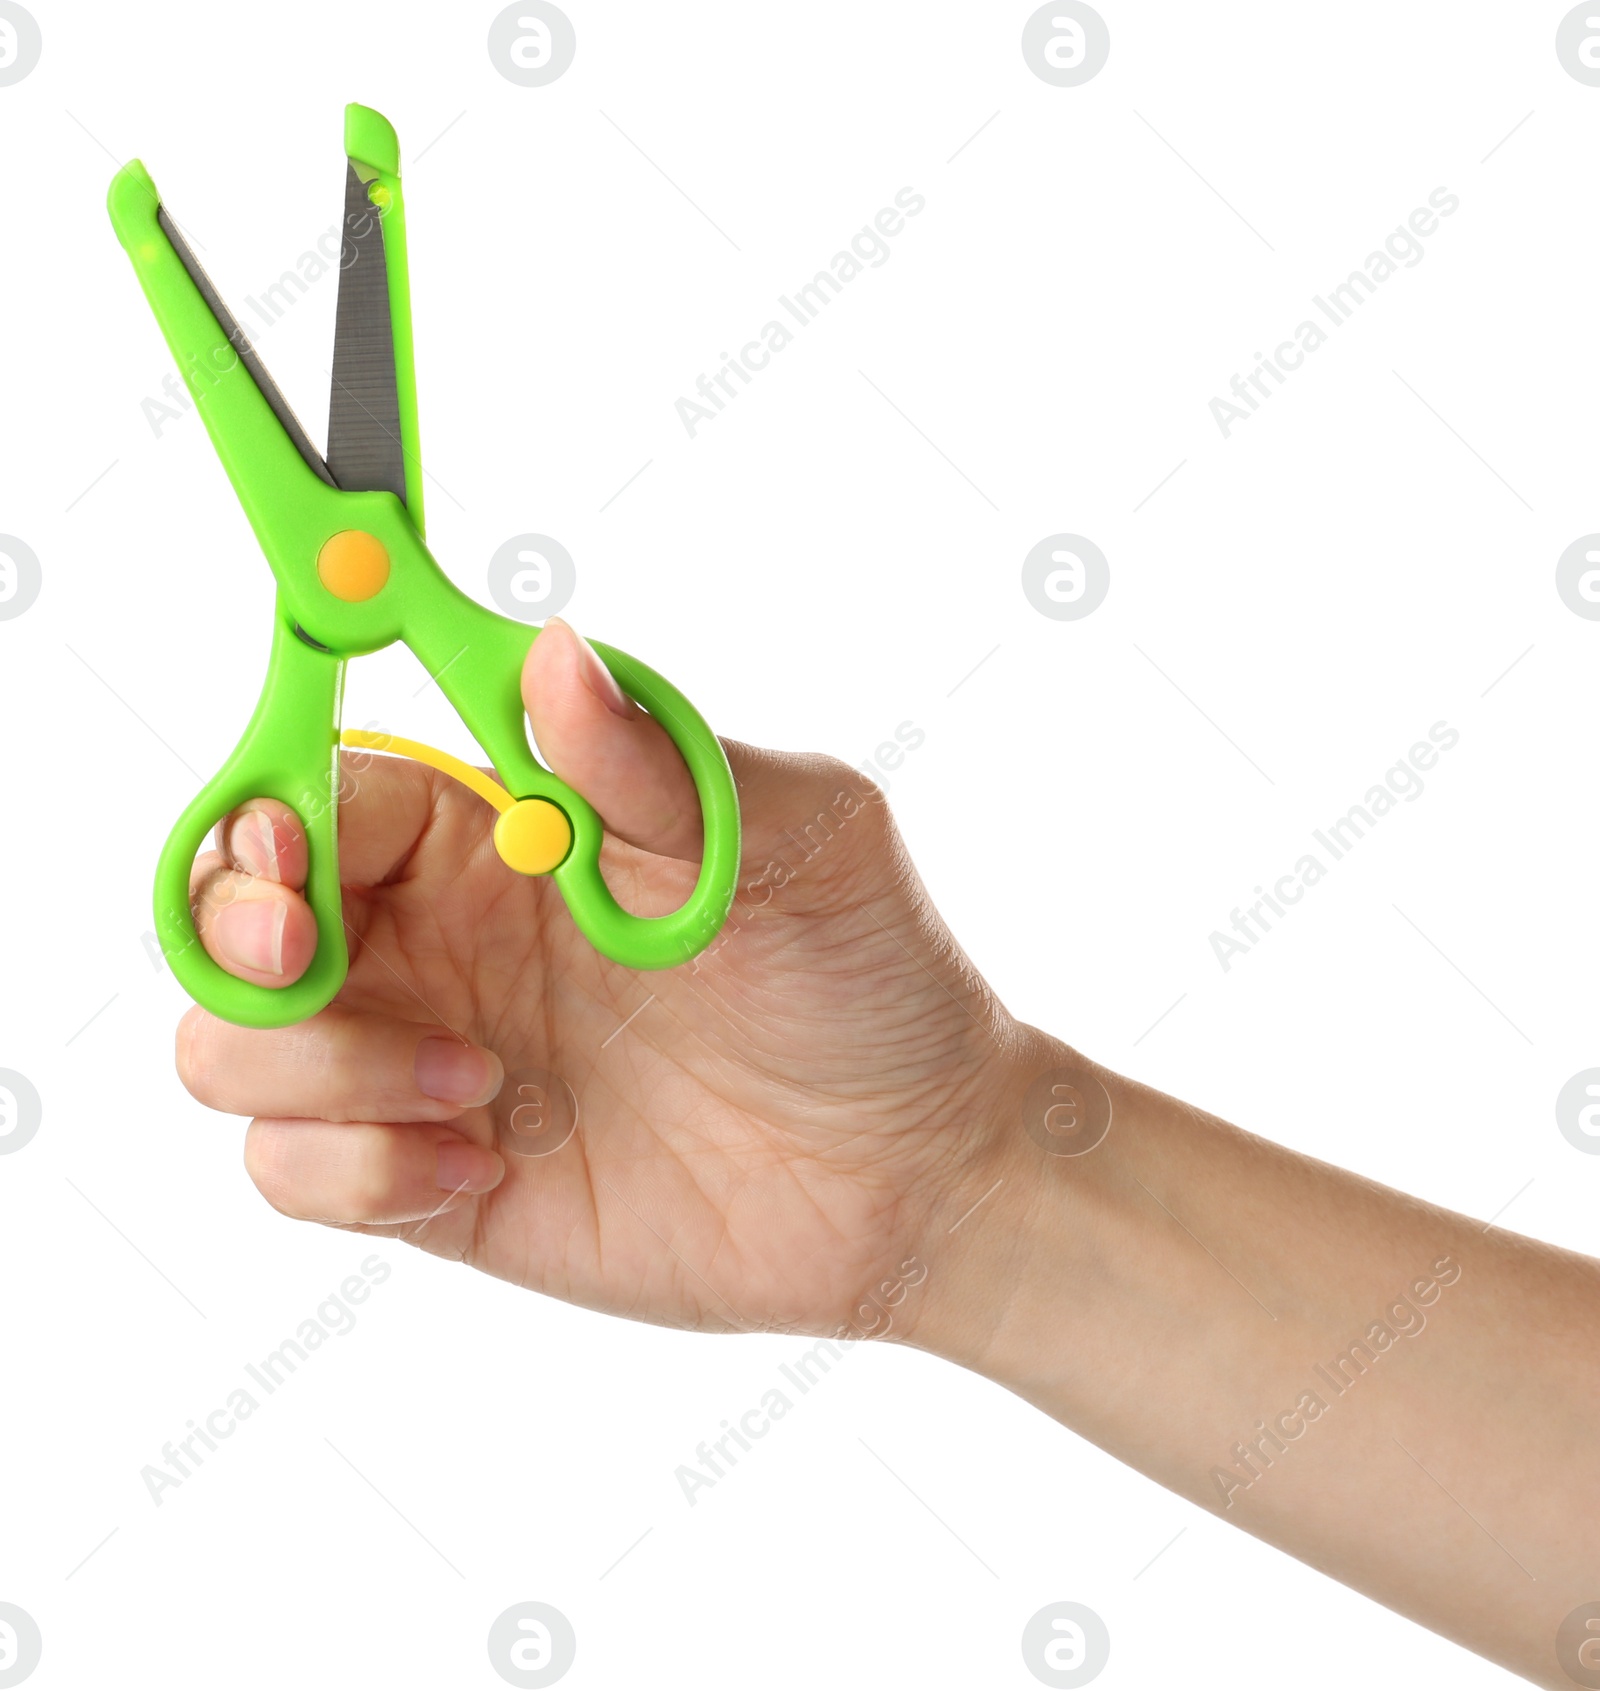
249 932
596 677
254 843
466 1168
455 1073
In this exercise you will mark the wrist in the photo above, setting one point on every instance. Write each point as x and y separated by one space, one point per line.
1021 1211
1116 1264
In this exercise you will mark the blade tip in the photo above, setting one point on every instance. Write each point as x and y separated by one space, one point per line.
132 201
370 139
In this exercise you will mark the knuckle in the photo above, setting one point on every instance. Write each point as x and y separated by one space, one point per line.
330 1055
196 1057
834 782
371 1197
362 1185
268 1162
833 793
294 1171
350 1063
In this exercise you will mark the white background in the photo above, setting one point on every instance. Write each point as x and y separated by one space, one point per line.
1089 271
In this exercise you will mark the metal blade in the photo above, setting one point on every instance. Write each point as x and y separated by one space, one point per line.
364 450
240 342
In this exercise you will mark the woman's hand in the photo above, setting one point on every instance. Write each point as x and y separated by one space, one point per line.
763 1136
794 1131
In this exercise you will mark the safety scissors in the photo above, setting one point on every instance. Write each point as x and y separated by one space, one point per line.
343 534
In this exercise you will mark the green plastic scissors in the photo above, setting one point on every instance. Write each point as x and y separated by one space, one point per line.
344 537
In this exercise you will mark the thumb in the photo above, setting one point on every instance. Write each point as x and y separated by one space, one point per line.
601 743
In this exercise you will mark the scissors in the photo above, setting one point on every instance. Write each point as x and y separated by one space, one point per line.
343 534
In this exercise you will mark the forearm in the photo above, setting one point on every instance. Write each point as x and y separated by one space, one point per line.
1394 1393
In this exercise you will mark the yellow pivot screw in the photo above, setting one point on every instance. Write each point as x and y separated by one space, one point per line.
533 836
353 565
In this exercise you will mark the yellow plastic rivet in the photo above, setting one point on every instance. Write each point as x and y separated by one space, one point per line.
533 836
353 564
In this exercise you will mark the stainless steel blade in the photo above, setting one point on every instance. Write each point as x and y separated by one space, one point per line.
364 450
240 341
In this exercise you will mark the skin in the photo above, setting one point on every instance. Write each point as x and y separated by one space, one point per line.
829 1123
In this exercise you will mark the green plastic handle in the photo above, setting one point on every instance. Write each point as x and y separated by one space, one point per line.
660 942
289 753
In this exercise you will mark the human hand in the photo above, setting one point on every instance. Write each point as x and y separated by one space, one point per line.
763 1134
